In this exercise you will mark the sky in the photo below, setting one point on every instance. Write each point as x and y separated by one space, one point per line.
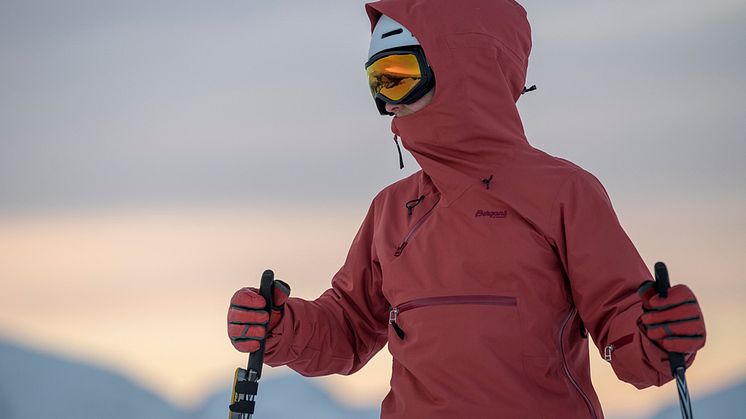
157 155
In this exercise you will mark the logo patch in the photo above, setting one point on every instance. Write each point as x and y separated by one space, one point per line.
492 214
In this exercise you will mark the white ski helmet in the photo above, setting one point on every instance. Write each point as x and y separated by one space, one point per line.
388 34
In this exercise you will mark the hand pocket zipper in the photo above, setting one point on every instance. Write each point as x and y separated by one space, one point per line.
495 300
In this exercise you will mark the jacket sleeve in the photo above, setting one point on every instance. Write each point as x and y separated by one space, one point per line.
345 327
605 270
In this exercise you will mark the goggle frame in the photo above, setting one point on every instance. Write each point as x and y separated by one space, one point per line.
427 79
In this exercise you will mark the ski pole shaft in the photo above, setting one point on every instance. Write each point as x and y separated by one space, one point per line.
678 364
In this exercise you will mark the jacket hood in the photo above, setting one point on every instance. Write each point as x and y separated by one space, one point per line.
478 50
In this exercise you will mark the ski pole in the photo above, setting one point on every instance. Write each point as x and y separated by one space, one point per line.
246 381
678 365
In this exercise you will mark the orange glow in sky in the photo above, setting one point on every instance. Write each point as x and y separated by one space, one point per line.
145 292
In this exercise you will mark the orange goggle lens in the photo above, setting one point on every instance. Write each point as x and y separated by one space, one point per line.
394 76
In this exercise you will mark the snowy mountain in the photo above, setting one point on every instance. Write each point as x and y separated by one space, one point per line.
36 385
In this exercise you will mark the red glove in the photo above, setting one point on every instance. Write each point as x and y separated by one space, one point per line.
248 316
675 323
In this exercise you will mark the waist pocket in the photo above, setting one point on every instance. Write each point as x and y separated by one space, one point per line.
493 300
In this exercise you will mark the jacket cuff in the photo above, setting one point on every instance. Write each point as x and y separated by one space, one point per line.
639 362
277 350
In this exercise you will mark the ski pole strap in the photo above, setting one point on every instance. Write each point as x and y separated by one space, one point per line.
247 387
243 406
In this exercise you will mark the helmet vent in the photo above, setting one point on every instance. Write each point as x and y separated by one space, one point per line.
392 33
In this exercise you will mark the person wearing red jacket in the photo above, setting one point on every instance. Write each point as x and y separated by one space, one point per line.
486 270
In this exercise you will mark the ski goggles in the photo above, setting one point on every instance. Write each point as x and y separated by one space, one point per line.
398 76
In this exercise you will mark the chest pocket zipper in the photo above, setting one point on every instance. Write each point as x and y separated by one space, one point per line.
415 227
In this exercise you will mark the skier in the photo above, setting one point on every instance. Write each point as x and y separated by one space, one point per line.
484 270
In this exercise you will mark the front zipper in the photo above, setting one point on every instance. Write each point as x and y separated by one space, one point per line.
567 369
415 227
494 300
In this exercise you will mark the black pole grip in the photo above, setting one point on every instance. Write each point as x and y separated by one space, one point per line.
662 283
256 359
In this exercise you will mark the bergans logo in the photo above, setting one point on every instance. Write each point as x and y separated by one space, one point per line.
492 214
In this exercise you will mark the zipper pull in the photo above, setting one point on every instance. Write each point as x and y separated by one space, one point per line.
400 248
624 340
607 352
392 321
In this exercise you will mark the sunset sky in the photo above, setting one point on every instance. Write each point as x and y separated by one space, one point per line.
157 155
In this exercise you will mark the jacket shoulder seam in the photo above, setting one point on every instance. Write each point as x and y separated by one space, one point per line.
555 204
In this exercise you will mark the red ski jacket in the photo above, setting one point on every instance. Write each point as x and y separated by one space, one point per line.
483 270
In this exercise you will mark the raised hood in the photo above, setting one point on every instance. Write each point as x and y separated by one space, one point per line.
479 52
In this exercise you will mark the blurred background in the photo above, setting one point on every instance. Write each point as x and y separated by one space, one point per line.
157 155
